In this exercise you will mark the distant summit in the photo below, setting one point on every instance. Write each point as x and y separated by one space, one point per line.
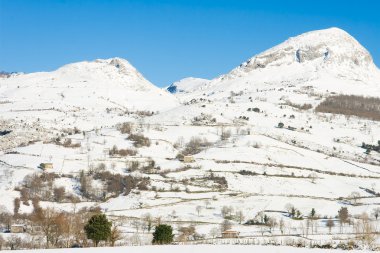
325 59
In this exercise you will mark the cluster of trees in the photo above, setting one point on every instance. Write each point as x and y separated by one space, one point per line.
49 227
125 128
299 106
293 212
369 147
203 119
228 213
365 107
122 152
139 140
41 187
195 145
114 184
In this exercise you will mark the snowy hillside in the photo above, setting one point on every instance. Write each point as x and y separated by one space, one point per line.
86 91
328 59
278 150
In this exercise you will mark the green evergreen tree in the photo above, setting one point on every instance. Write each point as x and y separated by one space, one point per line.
163 234
312 214
98 228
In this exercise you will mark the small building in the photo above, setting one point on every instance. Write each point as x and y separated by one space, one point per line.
230 234
46 166
18 228
186 158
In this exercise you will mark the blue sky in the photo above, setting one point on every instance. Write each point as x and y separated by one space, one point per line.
172 39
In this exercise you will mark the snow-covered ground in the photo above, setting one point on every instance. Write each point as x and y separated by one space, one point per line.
314 161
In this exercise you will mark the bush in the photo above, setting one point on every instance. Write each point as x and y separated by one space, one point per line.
122 152
139 140
125 128
163 234
299 106
195 145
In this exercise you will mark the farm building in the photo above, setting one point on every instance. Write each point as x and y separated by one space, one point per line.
18 228
230 234
46 166
186 158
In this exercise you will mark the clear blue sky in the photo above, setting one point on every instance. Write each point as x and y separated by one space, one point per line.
172 39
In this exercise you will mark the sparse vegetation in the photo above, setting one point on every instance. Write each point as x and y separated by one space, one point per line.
299 106
351 105
195 145
139 140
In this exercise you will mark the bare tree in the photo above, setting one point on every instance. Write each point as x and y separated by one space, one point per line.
2 242
240 216
313 177
343 216
272 223
186 233
366 231
214 232
115 236
16 204
376 212
47 220
330 224
282 226
147 221
225 225
14 242
354 196
199 209
289 208
207 203
59 193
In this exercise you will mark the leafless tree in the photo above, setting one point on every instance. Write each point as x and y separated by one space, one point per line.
207 203
282 226
225 225
376 212
115 236
59 193
330 224
365 107
240 216
199 209
214 232
354 196
16 206
186 233
366 231
2 242
13 242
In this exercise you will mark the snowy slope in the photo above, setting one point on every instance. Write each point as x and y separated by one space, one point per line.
318 59
187 85
314 161
85 88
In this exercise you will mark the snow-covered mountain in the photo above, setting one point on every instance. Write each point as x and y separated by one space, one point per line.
256 144
187 85
86 89
317 58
